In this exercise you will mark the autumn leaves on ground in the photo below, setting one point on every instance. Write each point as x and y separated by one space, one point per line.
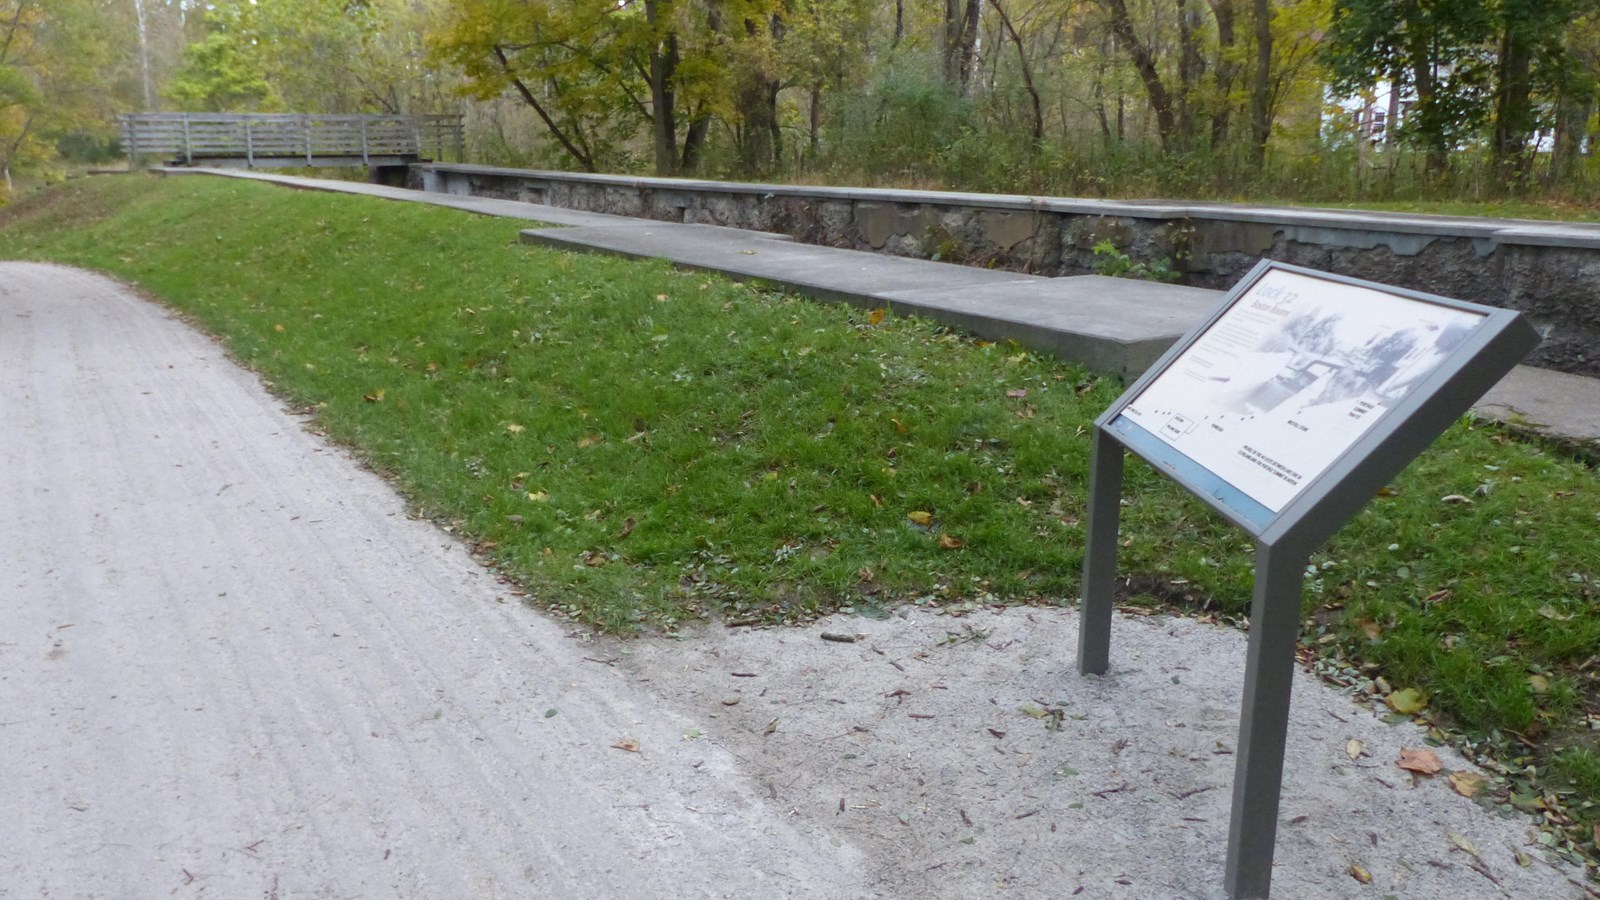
640 447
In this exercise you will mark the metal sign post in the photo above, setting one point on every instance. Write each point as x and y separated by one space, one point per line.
1286 410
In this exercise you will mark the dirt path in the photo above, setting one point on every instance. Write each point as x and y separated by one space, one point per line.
231 667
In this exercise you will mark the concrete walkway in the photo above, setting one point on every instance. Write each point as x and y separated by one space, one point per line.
1119 326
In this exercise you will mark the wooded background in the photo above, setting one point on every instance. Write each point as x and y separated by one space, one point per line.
1212 98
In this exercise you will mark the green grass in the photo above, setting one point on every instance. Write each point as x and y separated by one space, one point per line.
639 447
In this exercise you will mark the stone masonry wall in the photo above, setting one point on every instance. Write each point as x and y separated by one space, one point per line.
1546 277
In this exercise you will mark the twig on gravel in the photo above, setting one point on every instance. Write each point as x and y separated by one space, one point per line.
876 649
1108 791
840 638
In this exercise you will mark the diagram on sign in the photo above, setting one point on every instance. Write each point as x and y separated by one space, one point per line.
1291 375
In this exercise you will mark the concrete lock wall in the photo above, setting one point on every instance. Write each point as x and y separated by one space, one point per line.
1549 271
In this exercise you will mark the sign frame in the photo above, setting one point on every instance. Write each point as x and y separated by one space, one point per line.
1284 538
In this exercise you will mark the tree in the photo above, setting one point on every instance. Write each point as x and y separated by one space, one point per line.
1529 30
593 71
1433 48
330 56
55 56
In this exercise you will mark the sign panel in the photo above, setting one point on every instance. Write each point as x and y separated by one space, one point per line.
1291 375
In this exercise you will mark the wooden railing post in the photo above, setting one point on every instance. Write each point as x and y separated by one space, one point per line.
133 141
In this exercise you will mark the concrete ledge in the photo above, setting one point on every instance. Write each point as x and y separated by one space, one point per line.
1502 231
1549 271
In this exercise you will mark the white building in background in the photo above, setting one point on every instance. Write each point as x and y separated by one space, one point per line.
1374 113
1377 112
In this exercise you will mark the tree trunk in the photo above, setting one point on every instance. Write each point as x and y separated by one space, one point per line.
570 143
1261 84
1144 64
960 42
1571 118
663 112
1027 74
1227 69
1428 124
1189 70
1391 121
814 113
1513 116
694 143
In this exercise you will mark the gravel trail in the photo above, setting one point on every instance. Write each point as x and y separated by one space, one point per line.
231 667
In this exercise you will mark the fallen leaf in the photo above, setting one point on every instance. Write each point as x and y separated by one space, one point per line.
627 528
1370 628
946 542
661 298
920 517
1539 683
628 744
1017 394
1455 498
589 440
277 328
898 425
514 428
1465 783
1388 492
1423 762
1549 612
1438 596
538 496
876 316
1360 874
771 727
374 397
1464 844
1409 701
1354 748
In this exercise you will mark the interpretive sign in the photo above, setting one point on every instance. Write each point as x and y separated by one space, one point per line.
1289 377
1286 410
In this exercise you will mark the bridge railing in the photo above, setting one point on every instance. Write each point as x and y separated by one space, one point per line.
271 140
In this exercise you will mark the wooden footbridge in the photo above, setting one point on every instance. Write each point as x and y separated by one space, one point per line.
261 140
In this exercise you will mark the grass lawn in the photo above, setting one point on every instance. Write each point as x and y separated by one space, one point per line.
640 447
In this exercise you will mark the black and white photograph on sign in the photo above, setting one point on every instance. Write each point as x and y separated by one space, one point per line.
1291 375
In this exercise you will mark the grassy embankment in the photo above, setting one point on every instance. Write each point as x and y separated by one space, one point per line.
640 447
